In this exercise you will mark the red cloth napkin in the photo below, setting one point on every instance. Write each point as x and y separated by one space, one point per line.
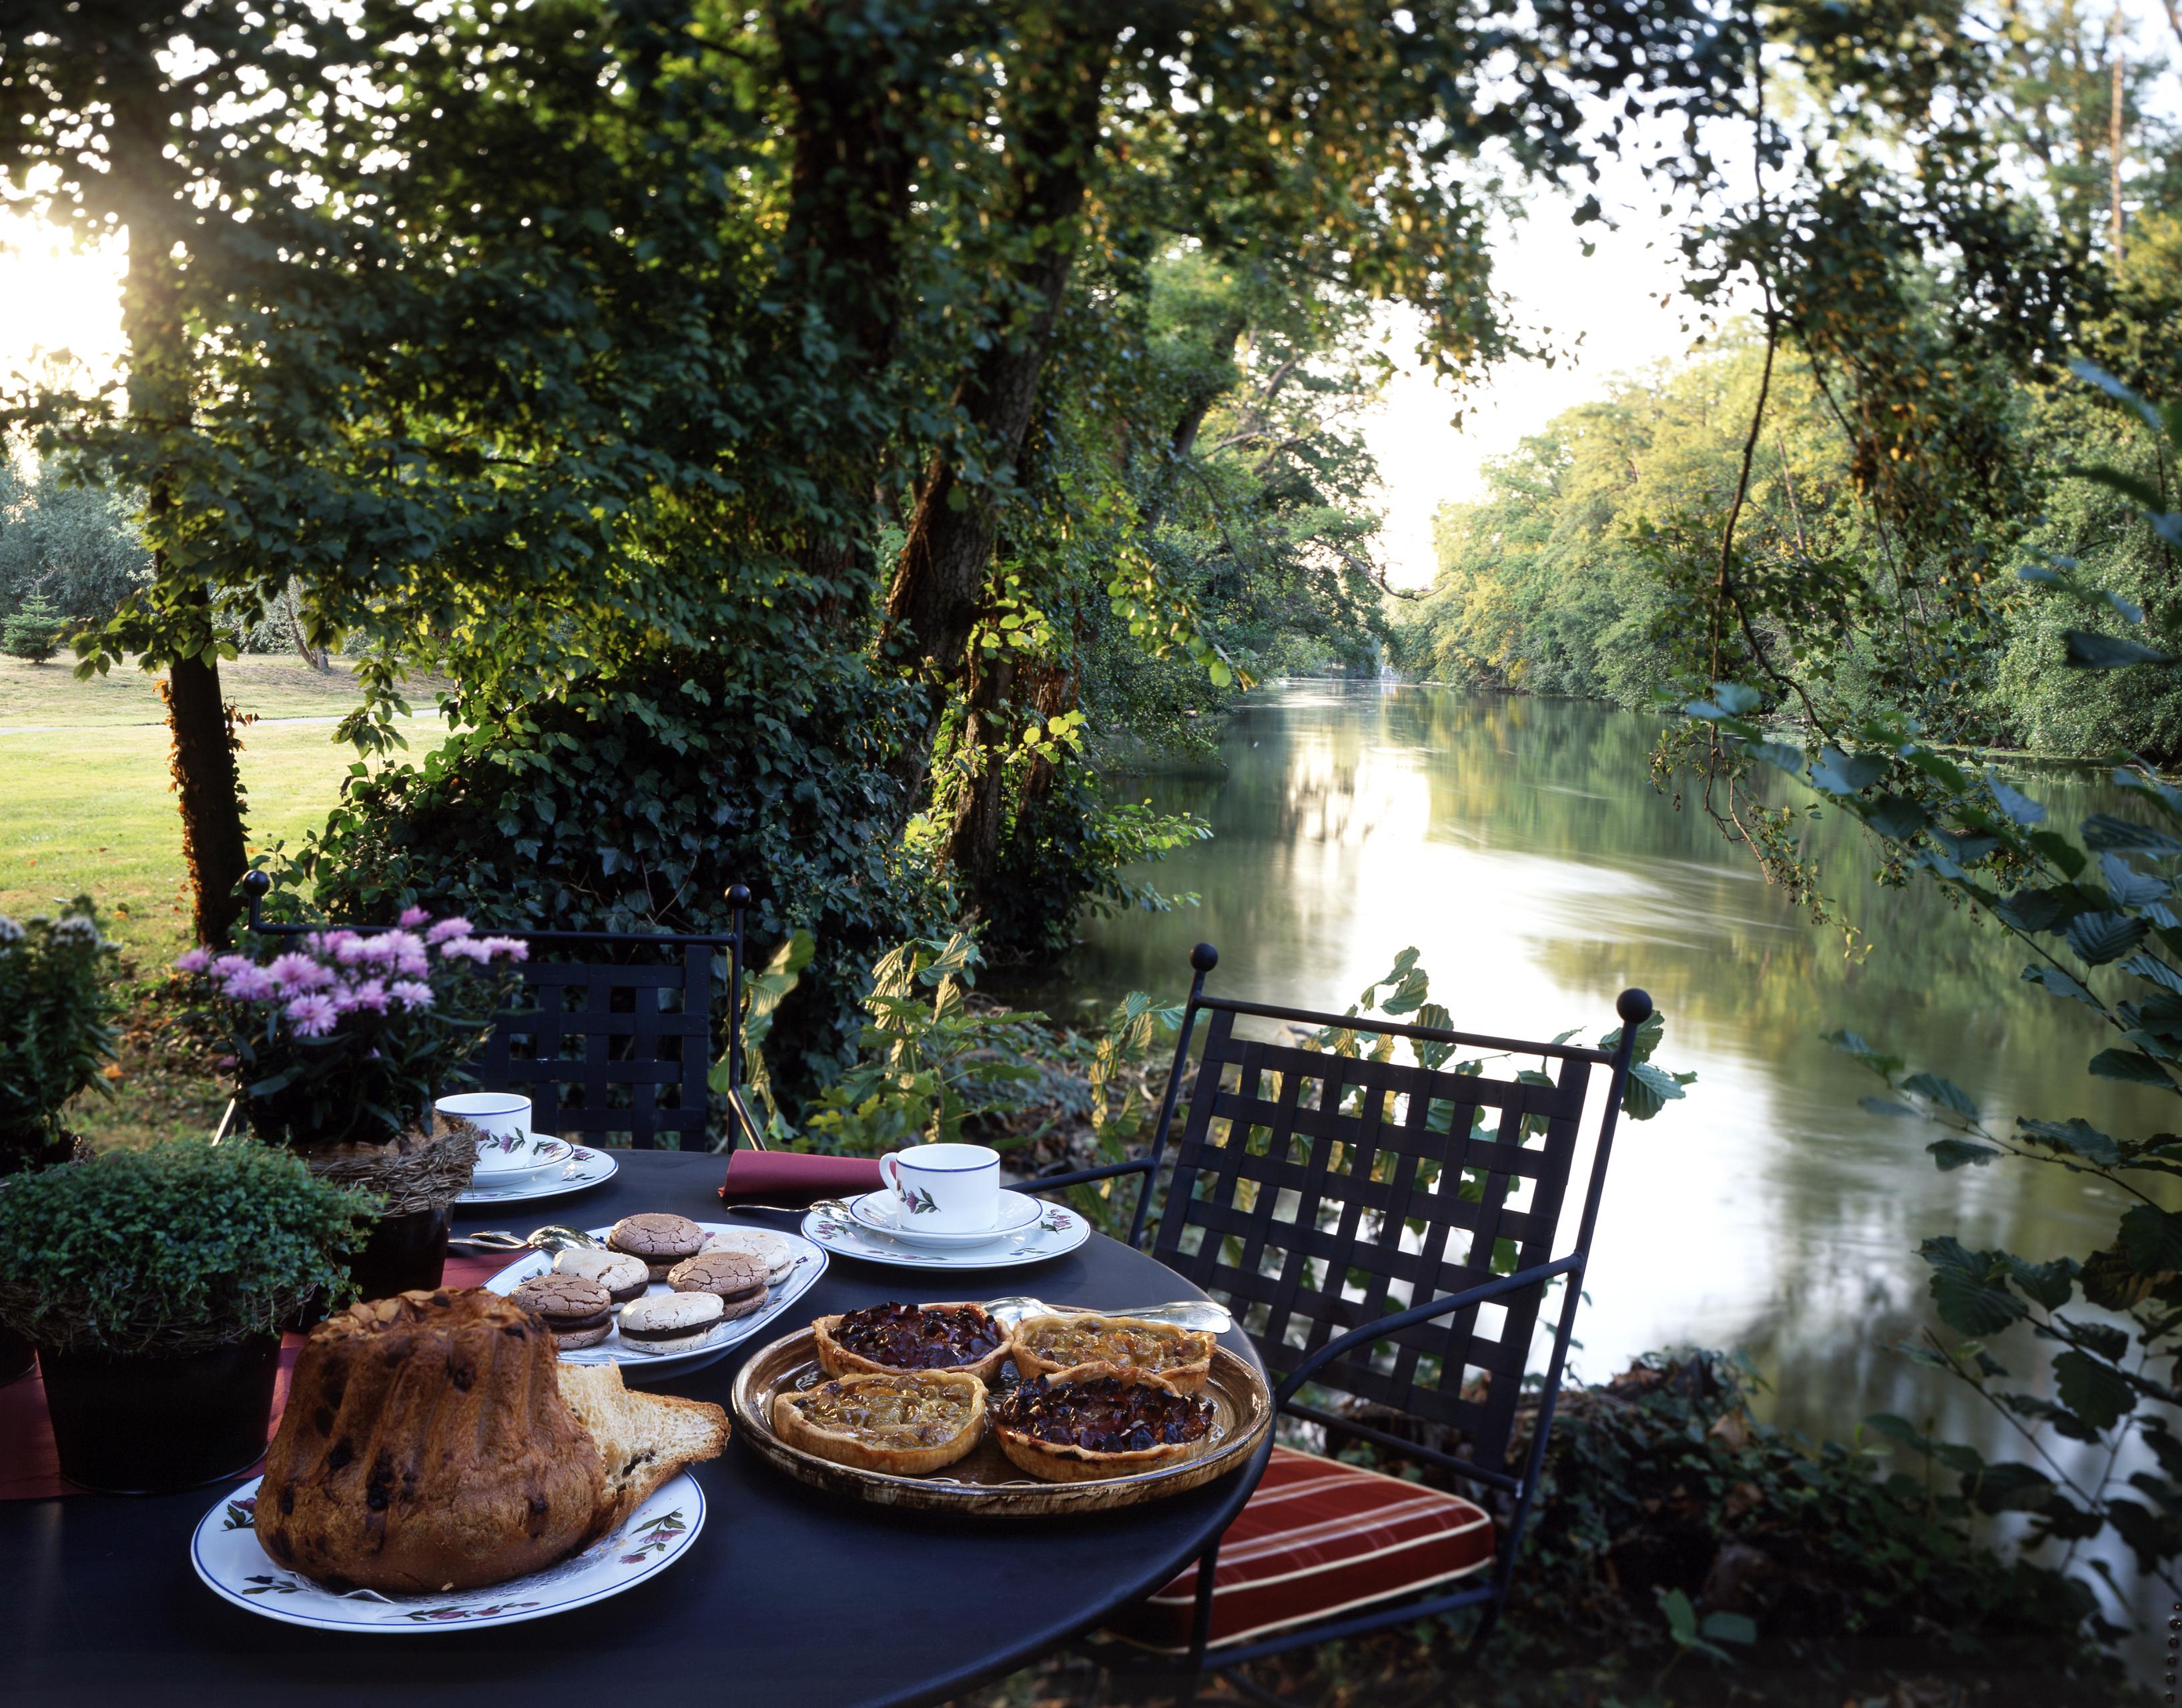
30 1469
793 1177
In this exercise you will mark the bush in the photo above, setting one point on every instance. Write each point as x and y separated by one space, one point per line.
58 1007
173 1249
33 631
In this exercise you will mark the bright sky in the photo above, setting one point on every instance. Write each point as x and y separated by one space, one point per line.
1608 307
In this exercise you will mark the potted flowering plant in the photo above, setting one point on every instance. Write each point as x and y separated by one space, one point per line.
154 1283
339 1042
58 1005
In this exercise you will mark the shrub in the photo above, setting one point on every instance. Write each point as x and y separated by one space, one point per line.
58 1007
34 631
173 1249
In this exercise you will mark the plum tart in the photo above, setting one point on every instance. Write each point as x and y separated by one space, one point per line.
1099 1421
902 1422
1047 1346
882 1338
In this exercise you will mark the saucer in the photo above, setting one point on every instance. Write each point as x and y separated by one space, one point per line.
881 1213
538 1152
586 1168
1057 1231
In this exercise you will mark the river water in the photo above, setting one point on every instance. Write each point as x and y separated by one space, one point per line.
1518 843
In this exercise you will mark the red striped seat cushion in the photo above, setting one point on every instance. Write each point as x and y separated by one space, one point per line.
1318 1538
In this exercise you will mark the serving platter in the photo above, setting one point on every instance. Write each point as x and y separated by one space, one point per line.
808 1265
1055 1231
235 1568
586 1168
985 1485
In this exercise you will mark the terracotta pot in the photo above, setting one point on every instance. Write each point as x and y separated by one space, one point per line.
140 1425
404 1252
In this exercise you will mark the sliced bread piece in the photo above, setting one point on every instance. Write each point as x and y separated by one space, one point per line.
643 1438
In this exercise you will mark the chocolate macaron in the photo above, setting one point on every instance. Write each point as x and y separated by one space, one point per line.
669 1322
736 1278
775 1250
660 1238
575 1308
623 1277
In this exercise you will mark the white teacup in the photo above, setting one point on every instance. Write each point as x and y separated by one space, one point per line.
945 1189
504 1118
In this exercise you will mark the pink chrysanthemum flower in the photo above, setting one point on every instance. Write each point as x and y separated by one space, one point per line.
454 926
299 973
227 966
412 993
193 960
513 948
311 1016
370 994
414 966
465 950
250 984
413 916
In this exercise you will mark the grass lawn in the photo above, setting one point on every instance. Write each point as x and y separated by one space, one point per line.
85 807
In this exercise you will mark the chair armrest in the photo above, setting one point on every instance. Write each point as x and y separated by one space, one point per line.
1046 1183
1382 1326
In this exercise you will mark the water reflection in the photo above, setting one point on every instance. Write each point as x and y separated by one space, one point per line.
1518 844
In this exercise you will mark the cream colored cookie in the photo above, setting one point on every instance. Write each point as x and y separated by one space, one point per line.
774 1250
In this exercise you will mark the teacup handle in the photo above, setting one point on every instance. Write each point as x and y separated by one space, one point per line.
890 1174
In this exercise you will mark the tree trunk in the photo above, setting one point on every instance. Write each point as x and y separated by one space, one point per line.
158 358
973 840
938 586
211 791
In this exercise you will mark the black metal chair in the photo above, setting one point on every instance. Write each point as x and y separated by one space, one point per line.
615 1051
1363 1220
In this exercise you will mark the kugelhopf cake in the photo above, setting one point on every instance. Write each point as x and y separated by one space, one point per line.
425 1447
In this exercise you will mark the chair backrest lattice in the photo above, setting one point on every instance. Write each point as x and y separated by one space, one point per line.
614 1053
1317 1191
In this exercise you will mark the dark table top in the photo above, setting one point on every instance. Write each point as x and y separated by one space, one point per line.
790 1595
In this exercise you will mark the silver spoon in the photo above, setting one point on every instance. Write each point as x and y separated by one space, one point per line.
549 1239
1183 1314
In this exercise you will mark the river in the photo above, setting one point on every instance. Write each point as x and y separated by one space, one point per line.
1518 843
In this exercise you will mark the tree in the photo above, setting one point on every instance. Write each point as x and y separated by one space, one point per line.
32 630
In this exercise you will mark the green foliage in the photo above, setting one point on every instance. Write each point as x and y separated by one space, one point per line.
58 1004
1673 1531
32 630
172 1248
75 545
931 1061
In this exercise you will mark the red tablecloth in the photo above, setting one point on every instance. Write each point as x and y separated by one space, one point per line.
792 1177
28 1470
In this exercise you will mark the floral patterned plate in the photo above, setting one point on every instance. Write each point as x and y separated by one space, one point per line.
586 1168
1056 1230
226 1553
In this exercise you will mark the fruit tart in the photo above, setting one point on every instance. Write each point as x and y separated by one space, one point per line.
902 1422
1099 1421
1046 1346
882 1338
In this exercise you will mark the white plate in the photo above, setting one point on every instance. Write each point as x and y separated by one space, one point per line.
587 1168
809 1264
228 1556
1056 1231
536 1152
880 1213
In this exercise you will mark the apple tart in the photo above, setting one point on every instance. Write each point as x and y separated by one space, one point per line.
1047 1346
882 1338
1099 1421
903 1423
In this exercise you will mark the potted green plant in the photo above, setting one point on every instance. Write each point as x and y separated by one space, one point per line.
339 1041
153 1283
58 1006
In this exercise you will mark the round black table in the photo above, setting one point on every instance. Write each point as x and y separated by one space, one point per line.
790 1595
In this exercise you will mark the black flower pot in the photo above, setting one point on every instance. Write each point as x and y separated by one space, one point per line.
141 1425
17 1356
403 1251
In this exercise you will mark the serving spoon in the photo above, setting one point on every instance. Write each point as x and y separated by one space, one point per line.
1183 1314
547 1239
